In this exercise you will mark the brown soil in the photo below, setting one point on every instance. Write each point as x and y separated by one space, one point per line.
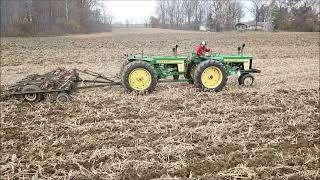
268 131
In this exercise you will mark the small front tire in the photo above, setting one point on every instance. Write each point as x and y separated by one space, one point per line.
246 80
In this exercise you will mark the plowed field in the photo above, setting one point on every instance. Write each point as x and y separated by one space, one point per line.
270 130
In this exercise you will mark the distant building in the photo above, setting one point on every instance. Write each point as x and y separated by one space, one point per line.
203 28
264 26
241 27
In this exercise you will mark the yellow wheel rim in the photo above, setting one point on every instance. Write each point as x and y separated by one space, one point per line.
211 77
139 79
193 70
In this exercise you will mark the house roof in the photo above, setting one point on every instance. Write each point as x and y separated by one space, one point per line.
240 24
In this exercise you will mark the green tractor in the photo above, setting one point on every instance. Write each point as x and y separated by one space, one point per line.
141 73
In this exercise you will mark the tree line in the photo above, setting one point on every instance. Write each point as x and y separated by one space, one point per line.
34 17
220 15
190 14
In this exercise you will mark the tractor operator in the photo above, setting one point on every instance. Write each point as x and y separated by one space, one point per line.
201 49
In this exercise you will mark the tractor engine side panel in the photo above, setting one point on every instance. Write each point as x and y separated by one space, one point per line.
180 64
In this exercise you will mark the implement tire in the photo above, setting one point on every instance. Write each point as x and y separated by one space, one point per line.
210 75
29 96
63 97
139 76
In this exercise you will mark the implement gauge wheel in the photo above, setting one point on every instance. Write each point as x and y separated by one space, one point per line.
139 76
63 97
210 75
31 97
246 80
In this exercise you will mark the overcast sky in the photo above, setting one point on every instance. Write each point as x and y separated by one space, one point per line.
137 10
134 11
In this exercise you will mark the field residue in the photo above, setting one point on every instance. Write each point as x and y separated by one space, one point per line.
270 130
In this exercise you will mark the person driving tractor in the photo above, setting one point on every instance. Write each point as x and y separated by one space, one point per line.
201 49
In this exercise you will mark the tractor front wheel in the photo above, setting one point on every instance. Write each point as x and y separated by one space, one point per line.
246 80
139 76
210 75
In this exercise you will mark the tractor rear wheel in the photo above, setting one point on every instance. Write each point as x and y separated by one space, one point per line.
139 76
30 95
210 75
122 67
191 68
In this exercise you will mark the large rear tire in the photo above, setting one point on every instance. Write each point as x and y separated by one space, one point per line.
210 75
139 76
125 62
190 70
176 77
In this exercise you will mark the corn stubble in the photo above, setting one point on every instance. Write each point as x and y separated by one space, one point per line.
270 130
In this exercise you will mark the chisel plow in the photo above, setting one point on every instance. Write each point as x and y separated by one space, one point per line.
56 85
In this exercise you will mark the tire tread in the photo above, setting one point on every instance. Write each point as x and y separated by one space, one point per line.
139 64
202 66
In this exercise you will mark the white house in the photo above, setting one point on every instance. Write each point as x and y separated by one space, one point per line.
264 26
202 28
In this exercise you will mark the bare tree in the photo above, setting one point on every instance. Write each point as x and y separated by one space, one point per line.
161 11
224 14
67 10
29 17
258 11
146 21
216 8
236 11
188 10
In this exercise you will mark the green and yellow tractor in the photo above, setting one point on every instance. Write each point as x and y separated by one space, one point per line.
141 73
